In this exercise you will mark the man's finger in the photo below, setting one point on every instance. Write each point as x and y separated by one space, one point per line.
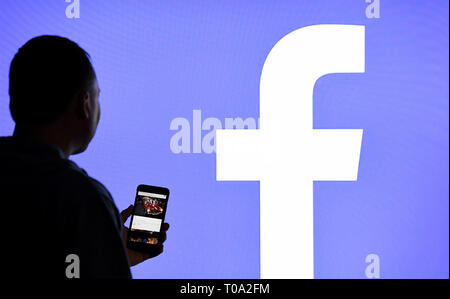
163 237
126 213
157 250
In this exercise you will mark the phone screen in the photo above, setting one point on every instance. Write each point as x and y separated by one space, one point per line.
148 216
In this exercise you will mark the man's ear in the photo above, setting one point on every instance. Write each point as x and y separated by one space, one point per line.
83 106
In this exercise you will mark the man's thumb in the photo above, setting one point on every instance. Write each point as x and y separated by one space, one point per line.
126 213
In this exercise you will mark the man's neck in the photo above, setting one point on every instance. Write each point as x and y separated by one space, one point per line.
45 134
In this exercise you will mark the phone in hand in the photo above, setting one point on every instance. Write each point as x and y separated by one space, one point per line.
148 217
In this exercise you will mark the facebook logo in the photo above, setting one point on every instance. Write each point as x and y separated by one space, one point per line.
286 154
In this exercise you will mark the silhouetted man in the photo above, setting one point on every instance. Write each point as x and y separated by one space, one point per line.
53 209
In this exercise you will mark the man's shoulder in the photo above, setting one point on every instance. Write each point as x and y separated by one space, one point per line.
87 192
77 179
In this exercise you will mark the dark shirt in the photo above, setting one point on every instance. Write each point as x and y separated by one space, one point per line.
52 209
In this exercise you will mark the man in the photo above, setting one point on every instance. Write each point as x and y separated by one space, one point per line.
54 210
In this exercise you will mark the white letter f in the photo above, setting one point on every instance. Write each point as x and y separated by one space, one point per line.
286 154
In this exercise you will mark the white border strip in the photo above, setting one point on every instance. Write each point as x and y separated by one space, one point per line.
152 195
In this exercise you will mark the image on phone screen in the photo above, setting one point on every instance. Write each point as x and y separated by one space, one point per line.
148 217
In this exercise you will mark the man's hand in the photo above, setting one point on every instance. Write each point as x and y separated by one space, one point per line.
137 257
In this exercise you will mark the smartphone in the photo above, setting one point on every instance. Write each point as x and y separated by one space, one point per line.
148 216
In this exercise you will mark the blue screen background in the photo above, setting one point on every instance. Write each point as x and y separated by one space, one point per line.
156 61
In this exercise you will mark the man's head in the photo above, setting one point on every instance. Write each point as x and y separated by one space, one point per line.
54 91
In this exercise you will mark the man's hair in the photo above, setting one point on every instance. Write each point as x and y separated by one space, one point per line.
44 75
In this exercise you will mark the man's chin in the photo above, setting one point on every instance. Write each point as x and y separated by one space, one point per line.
85 144
80 150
